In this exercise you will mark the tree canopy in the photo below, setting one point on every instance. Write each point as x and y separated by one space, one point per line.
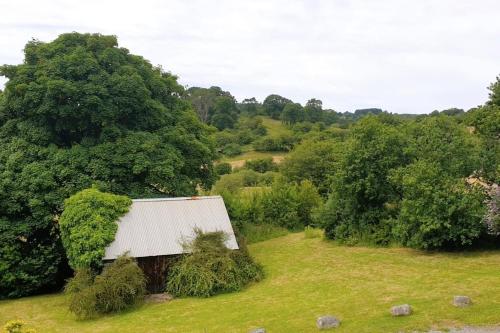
80 111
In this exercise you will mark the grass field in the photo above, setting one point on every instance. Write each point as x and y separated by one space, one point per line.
308 277
275 127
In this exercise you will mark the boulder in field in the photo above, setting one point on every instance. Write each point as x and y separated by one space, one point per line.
401 310
326 322
462 301
258 330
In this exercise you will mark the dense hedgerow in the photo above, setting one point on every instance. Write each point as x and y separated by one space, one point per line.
211 268
121 285
88 224
283 204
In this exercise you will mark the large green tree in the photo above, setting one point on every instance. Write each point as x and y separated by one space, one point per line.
213 106
274 104
292 113
80 111
361 192
314 160
485 122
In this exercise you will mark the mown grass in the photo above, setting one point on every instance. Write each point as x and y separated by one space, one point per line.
306 278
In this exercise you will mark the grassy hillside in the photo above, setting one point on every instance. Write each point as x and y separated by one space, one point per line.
274 128
307 278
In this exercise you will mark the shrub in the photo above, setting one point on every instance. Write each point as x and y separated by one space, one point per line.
211 268
261 165
121 285
224 138
232 149
245 136
228 183
88 225
223 168
254 124
250 177
82 279
283 142
237 180
289 205
314 160
437 211
269 177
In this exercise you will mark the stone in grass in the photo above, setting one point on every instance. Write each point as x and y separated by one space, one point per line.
258 330
401 310
461 301
326 322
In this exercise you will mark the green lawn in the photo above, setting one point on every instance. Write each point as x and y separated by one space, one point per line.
308 277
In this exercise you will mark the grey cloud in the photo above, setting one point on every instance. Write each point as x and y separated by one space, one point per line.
401 55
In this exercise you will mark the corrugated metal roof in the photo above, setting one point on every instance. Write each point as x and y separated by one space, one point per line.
155 227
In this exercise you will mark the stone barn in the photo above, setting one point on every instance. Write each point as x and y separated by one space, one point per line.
154 229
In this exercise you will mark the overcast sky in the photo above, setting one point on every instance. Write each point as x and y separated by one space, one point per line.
405 56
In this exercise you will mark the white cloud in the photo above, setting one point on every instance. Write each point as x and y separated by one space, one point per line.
403 56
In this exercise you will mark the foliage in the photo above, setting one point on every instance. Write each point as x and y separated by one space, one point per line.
286 205
250 107
436 211
314 160
211 268
223 168
404 182
282 142
121 285
253 124
261 165
237 180
88 224
292 113
273 105
444 141
78 111
232 149
213 106
82 279
357 205
224 112
492 217
485 122
313 111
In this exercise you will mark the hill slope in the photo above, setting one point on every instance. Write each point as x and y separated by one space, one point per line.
307 278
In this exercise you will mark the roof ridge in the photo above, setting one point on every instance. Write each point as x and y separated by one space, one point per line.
178 198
